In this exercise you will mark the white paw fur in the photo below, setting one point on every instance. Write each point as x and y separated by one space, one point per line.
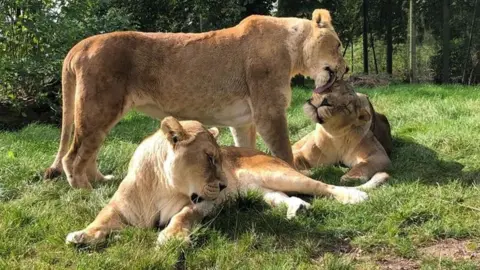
348 195
164 237
108 177
78 237
294 205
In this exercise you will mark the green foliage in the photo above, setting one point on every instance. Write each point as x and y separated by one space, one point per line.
35 37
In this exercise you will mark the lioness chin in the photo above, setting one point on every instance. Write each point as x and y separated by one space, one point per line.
348 131
180 174
237 77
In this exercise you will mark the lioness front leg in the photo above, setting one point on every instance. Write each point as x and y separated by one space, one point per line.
108 220
244 136
274 131
180 224
363 171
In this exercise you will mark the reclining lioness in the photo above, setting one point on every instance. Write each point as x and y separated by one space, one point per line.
348 131
178 174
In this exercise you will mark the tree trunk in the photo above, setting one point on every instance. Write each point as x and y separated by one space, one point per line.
412 44
351 67
345 49
446 42
373 51
365 37
389 39
469 46
471 79
281 4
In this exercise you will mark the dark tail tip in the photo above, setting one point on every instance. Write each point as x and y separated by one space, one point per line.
51 173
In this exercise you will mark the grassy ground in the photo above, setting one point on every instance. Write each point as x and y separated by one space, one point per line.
431 199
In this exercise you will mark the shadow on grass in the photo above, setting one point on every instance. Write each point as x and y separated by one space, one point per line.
249 215
415 162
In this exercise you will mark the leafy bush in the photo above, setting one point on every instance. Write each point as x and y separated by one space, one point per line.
35 36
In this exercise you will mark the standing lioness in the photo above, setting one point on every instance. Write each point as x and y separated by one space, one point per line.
237 77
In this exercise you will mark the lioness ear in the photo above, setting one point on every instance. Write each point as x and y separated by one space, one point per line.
173 130
214 131
321 17
364 115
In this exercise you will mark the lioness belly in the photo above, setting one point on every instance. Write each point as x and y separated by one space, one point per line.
234 114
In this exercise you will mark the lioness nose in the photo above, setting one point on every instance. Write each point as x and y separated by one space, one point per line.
222 186
195 198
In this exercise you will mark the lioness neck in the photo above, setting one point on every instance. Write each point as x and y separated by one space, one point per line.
149 162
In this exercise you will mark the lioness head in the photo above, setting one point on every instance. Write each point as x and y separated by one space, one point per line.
194 162
322 54
338 109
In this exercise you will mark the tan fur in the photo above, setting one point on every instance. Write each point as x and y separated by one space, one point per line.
237 77
345 133
164 175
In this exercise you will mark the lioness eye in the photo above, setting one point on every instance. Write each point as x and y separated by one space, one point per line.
211 159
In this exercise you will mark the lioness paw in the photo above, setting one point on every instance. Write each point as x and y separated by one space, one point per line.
167 235
296 205
348 195
352 178
307 173
82 237
79 237
108 177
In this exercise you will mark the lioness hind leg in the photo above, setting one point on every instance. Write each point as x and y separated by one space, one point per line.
96 112
294 204
93 173
108 220
281 177
75 162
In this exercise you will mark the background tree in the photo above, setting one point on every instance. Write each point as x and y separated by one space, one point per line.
446 42
412 43
365 36
388 36
35 36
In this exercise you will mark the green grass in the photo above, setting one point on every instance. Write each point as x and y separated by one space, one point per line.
435 175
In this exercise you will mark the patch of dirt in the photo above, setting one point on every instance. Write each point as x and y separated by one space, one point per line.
449 249
397 263
453 249
383 261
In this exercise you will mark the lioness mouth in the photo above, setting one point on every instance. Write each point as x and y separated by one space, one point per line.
319 119
331 80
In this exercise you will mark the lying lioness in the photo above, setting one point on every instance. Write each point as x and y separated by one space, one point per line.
178 174
348 131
